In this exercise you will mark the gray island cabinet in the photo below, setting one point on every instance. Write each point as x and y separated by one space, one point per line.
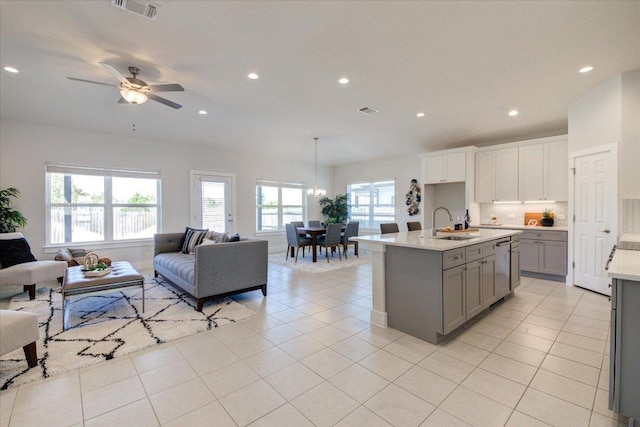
430 286
624 369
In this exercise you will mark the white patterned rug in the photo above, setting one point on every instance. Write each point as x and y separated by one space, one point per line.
322 266
108 325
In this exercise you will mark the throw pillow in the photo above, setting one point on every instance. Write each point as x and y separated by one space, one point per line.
15 251
192 237
207 242
217 236
234 238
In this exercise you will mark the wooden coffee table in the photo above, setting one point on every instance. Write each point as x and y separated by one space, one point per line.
74 283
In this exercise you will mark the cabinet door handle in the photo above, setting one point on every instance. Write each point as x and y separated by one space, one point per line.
606 230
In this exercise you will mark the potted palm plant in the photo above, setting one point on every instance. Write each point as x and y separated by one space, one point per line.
10 219
335 210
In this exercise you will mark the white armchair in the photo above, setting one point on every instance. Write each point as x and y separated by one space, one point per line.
28 274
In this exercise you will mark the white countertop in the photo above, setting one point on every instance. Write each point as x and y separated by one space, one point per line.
422 240
625 265
523 227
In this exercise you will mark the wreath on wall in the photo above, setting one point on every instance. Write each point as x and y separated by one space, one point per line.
413 198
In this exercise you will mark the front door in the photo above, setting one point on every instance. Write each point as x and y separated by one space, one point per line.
212 201
596 213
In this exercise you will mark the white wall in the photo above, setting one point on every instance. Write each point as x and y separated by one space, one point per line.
24 149
402 169
630 148
594 119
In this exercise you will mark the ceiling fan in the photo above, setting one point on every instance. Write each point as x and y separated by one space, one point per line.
135 91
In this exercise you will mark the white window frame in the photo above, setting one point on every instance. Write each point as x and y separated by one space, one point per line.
372 186
281 207
108 205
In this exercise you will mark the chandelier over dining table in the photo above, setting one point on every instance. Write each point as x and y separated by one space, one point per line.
315 191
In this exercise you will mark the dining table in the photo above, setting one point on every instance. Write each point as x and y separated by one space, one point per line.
314 232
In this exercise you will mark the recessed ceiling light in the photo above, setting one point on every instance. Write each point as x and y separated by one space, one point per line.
202 112
11 69
586 69
420 115
513 113
343 81
253 76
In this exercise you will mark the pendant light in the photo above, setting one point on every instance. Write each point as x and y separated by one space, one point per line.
315 191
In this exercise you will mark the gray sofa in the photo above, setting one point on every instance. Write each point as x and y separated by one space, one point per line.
213 270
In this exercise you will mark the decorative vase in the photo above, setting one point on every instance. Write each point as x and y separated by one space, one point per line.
546 222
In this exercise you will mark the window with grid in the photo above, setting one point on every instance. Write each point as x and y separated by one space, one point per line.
279 203
372 203
92 204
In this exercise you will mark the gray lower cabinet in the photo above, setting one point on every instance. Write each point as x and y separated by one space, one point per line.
448 289
544 252
489 294
453 298
624 369
474 288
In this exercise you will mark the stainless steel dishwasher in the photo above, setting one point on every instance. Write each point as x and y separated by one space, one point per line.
507 266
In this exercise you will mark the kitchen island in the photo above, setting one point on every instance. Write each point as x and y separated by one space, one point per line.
429 286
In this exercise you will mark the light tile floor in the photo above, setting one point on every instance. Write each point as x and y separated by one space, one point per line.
310 357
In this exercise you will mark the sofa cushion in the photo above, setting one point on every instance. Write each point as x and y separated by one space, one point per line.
192 238
182 265
15 251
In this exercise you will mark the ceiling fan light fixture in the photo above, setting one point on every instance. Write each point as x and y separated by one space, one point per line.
134 97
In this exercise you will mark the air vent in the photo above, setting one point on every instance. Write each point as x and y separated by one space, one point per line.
367 110
139 7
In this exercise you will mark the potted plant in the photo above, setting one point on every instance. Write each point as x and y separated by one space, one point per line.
335 210
547 218
10 219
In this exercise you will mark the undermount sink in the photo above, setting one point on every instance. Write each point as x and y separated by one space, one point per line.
455 238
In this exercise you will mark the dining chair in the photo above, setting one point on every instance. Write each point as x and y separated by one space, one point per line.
349 232
331 239
414 225
295 241
315 224
389 227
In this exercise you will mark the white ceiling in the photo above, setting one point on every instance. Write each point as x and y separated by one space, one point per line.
464 64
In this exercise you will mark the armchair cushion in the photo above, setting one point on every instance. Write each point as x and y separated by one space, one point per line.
15 251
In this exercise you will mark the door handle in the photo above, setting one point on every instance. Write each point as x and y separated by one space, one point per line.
606 230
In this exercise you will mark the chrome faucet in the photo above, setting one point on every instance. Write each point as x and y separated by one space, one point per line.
433 218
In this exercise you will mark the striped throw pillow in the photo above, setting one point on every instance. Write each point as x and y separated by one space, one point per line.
192 238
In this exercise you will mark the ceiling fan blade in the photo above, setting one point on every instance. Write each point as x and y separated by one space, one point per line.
166 88
122 101
115 73
91 81
163 101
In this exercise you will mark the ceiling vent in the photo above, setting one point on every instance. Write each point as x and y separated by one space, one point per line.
367 110
139 7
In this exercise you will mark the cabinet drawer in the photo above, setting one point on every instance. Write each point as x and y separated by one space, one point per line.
558 236
473 252
489 248
452 258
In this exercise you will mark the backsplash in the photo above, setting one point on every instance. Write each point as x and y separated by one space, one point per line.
513 213
631 216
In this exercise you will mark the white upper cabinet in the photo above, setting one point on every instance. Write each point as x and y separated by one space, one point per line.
556 171
444 168
543 171
497 175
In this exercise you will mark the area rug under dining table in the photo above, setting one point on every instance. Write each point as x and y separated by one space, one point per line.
321 265
108 325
